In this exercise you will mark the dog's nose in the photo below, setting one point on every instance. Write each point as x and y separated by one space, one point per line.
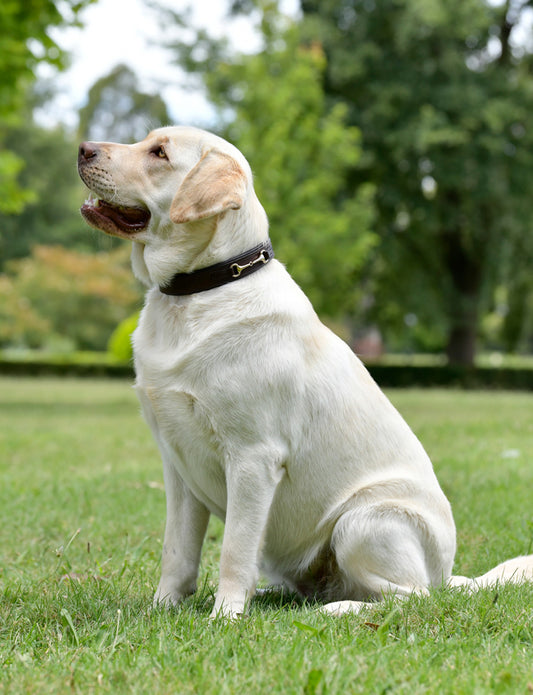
87 150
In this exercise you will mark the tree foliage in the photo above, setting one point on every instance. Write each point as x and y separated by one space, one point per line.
272 106
51 297
442 93
24 43
118 111
52 215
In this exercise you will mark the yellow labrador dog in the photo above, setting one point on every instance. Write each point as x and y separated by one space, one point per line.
262 415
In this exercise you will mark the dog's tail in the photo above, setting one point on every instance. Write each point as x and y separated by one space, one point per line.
515 571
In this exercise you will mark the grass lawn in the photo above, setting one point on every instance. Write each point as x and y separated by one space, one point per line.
81 518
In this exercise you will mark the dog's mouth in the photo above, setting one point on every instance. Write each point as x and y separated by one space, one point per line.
117 220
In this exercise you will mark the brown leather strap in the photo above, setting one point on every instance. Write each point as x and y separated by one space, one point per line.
221 273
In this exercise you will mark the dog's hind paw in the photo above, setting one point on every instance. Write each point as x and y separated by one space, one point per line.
338 608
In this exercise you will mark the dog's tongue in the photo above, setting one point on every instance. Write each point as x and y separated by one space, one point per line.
123 216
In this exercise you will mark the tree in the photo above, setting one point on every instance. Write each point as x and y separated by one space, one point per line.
300 150
24 43
116 110
442 93
52 215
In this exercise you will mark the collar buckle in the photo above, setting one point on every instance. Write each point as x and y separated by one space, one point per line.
237 269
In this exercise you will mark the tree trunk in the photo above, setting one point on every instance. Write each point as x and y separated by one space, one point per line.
461 347
465 272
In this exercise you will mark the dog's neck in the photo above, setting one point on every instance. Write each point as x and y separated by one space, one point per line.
200 244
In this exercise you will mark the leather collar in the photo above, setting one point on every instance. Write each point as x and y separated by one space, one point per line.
221 273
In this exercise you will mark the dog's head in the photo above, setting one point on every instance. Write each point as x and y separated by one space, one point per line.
185 196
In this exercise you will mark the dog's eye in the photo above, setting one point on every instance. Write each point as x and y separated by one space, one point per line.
159 151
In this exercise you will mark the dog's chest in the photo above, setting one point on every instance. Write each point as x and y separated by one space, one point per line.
187 442
172 386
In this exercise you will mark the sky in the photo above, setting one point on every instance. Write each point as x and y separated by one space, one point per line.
116 32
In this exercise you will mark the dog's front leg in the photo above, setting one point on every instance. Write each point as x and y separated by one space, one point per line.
185 529
250 495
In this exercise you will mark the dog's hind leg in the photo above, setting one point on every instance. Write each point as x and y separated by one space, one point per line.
385 549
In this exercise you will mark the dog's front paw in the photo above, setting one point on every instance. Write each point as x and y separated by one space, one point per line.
228 609
169 594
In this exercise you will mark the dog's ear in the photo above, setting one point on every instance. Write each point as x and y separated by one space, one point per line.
217 183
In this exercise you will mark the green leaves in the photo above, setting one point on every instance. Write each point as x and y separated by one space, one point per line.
441 94
24 43
301 150
118 111
12 197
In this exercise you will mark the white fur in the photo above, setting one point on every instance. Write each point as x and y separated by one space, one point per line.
267 419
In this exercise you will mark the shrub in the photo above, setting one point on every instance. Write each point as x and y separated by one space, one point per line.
67 297
20 324
119 345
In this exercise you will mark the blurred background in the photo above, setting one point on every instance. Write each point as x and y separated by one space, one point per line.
391 142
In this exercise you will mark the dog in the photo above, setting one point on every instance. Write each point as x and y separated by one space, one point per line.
262 415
